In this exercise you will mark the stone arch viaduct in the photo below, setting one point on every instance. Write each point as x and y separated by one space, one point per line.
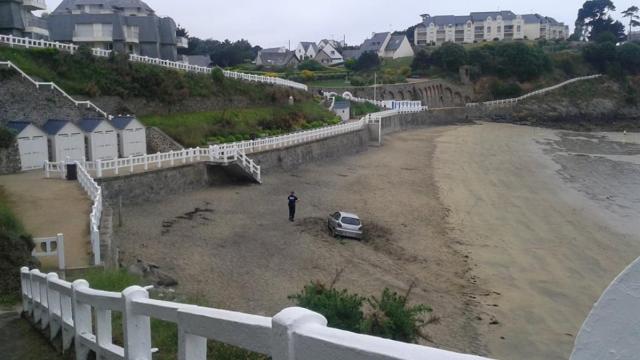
433 93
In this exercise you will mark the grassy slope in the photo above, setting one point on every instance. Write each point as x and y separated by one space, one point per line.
15 251
196 129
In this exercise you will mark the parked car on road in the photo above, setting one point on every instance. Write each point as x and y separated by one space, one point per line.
345 224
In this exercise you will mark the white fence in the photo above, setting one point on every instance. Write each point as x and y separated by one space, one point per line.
83 316
50 246
31 43
507 102
95 194
53 86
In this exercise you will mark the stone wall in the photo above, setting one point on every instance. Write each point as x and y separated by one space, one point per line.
158 141
10 160
21 100
330 148
436 117
433 93
154 185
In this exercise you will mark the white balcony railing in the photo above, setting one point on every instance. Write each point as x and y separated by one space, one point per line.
83 316
182 42
34 4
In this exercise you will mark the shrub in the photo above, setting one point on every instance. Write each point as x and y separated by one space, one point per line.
389 316
308 75
501 90
629 56
217 75
342 309
368 61
310 65
7 138
506 60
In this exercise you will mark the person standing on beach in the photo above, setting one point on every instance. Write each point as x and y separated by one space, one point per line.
292 205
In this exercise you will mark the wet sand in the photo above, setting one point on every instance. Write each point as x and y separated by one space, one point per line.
548 219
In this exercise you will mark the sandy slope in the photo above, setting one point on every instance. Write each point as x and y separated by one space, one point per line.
535 209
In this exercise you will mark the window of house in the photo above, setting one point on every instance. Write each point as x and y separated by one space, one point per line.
499 29
489 29
518 28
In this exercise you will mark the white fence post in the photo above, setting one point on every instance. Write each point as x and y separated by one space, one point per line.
26 289
60 250
137 328
284 324
82 320
131 163
99 168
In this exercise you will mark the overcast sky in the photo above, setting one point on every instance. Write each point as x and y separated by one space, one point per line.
278 22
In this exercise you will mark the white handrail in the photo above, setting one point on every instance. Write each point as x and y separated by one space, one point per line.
53 86
31 43
83 316
534 93
94 191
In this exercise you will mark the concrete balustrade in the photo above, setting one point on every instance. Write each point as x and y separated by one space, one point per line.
82 316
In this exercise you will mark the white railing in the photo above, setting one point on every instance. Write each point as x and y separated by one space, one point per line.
50 246
31 43
83 316
94 191
53 86
226 153
506 102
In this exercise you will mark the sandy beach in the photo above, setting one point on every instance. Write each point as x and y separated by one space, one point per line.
510 233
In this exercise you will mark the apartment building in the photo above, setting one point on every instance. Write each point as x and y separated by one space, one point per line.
17 19
129 26
487 26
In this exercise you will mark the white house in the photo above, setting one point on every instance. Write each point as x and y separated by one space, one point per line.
132 138
388 46
101 138
65 140
306 50
328 55
342 109
32 144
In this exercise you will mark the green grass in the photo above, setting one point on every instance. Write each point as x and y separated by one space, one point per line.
396 64
15 251
110 280
195 129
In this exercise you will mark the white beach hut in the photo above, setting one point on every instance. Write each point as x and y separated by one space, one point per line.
101 138
65 140
32 144
132 138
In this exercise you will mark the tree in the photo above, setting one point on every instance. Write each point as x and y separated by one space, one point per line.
223 53
450 57
608 26
368 61
180 31
629 56
593 19
311 65
633 13
422 61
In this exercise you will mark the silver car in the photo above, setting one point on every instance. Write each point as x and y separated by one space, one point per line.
345 224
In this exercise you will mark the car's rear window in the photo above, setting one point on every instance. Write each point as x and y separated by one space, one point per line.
350 221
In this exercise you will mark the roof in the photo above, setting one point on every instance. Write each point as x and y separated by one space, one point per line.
445 20
482 16
277 59
53 126
274 50
351 54
395 42
306 45
66 5
199 60
18 126
341 105
90 124
375 43
532 18
121 122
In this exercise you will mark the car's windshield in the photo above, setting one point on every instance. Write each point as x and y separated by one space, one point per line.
350 221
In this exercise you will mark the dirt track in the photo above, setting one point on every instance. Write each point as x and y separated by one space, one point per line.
529 215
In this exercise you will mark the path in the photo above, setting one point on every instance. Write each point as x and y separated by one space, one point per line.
19 340
544 251
47 207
